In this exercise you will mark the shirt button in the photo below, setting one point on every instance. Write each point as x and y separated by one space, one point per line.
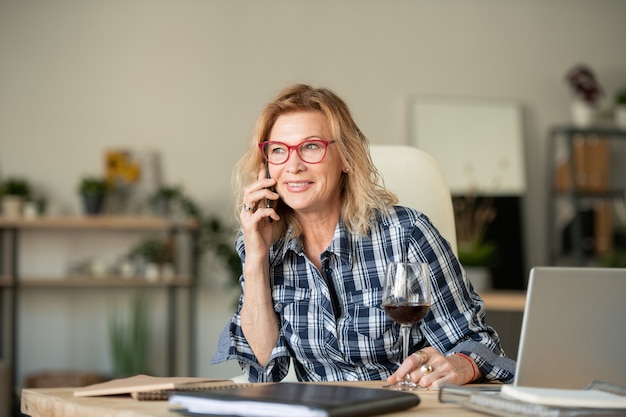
278 307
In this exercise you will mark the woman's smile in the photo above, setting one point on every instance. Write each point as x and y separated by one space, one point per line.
298 186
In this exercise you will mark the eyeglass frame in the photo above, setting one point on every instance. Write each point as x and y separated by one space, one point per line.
263 144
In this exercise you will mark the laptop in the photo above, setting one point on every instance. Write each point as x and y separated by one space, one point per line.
574 328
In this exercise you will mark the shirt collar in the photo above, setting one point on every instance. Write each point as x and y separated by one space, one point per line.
341 245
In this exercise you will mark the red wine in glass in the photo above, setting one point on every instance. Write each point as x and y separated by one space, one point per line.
407 313
406 299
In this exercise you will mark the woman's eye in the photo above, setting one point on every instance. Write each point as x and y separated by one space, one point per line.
311 146
276 150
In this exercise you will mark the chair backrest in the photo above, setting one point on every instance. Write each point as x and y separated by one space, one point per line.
419 182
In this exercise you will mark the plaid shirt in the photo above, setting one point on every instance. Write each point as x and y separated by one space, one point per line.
332 325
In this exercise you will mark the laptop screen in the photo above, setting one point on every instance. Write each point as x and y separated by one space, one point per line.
574 328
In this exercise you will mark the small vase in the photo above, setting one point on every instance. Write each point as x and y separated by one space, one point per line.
12 206
93 203
127 268
29 210
583 114
480 277
152 272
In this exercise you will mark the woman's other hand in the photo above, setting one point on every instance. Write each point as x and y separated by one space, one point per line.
428 368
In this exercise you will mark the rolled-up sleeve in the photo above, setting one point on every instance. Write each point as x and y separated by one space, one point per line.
232 345
456 321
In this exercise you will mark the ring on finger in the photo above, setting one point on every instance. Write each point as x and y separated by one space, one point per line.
422 356
426 369
248 208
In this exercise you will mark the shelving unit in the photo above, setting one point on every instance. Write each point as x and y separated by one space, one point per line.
12 282
570 185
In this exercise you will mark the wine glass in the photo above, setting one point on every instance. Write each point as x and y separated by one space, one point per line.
406 299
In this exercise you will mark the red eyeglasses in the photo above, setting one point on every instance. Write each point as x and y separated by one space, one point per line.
312 151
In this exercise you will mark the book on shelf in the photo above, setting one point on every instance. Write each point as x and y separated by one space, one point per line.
147 387
292 399
598 399
590 156
603 228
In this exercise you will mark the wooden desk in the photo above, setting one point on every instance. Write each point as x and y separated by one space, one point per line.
60 402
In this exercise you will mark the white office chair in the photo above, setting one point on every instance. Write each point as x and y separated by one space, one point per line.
419 182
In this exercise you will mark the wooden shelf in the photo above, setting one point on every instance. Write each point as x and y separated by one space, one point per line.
112 281
98 222
601 195
17 285
594 130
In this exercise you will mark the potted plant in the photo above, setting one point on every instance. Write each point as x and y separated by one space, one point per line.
93 191
215 237
212 235
620 108
14 191
587 94
129 339
473 215
162 201
155 255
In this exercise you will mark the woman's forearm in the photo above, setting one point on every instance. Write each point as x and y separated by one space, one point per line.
259 322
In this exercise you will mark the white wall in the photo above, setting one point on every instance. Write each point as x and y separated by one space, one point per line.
188 78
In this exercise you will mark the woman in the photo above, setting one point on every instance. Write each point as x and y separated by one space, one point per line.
317 232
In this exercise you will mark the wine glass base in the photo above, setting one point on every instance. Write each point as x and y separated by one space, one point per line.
405 386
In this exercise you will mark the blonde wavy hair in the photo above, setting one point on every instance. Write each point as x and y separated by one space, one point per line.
361 192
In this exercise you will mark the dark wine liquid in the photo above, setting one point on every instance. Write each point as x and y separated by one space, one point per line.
407 313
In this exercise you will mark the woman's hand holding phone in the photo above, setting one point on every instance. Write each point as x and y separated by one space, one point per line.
256 216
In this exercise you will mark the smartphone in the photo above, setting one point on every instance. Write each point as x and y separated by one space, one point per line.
268 202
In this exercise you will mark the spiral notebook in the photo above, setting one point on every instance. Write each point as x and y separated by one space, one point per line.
146 387
596 400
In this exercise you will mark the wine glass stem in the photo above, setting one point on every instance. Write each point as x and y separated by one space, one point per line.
406 330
